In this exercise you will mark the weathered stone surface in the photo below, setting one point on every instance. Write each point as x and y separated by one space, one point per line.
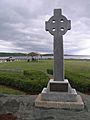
78 104
58 96
28 111
11 105
69 95
58 25
59 86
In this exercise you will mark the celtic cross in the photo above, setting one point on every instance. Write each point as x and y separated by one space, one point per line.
58 25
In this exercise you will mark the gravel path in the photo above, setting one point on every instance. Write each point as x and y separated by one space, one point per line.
23 108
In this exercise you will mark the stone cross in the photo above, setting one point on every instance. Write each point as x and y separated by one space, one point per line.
58 25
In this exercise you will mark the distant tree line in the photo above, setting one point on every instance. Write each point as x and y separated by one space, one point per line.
2 54
47 54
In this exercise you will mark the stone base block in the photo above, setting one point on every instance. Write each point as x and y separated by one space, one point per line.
77 105
58 86
59 96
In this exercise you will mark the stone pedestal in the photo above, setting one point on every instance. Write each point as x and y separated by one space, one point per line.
59 94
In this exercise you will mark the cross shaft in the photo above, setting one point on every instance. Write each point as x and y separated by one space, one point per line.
58 25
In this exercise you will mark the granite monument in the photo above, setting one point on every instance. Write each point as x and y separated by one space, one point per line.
59 93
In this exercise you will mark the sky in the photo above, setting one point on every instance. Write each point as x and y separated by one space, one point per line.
22 26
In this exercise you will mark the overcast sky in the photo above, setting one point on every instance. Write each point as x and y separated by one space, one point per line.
22 25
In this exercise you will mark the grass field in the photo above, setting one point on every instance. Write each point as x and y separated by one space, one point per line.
41 65
77 71
9 90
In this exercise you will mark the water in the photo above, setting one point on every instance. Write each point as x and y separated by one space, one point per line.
86 57
48 57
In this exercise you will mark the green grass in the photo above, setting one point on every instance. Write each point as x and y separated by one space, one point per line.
77 71
9 90
41 65
78 67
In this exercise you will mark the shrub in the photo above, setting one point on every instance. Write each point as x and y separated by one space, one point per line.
50 71
38 80
28 81
78 81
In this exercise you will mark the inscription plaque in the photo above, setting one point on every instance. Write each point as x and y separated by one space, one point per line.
59 87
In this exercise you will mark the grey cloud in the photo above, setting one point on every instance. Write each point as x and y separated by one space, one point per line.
22 23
